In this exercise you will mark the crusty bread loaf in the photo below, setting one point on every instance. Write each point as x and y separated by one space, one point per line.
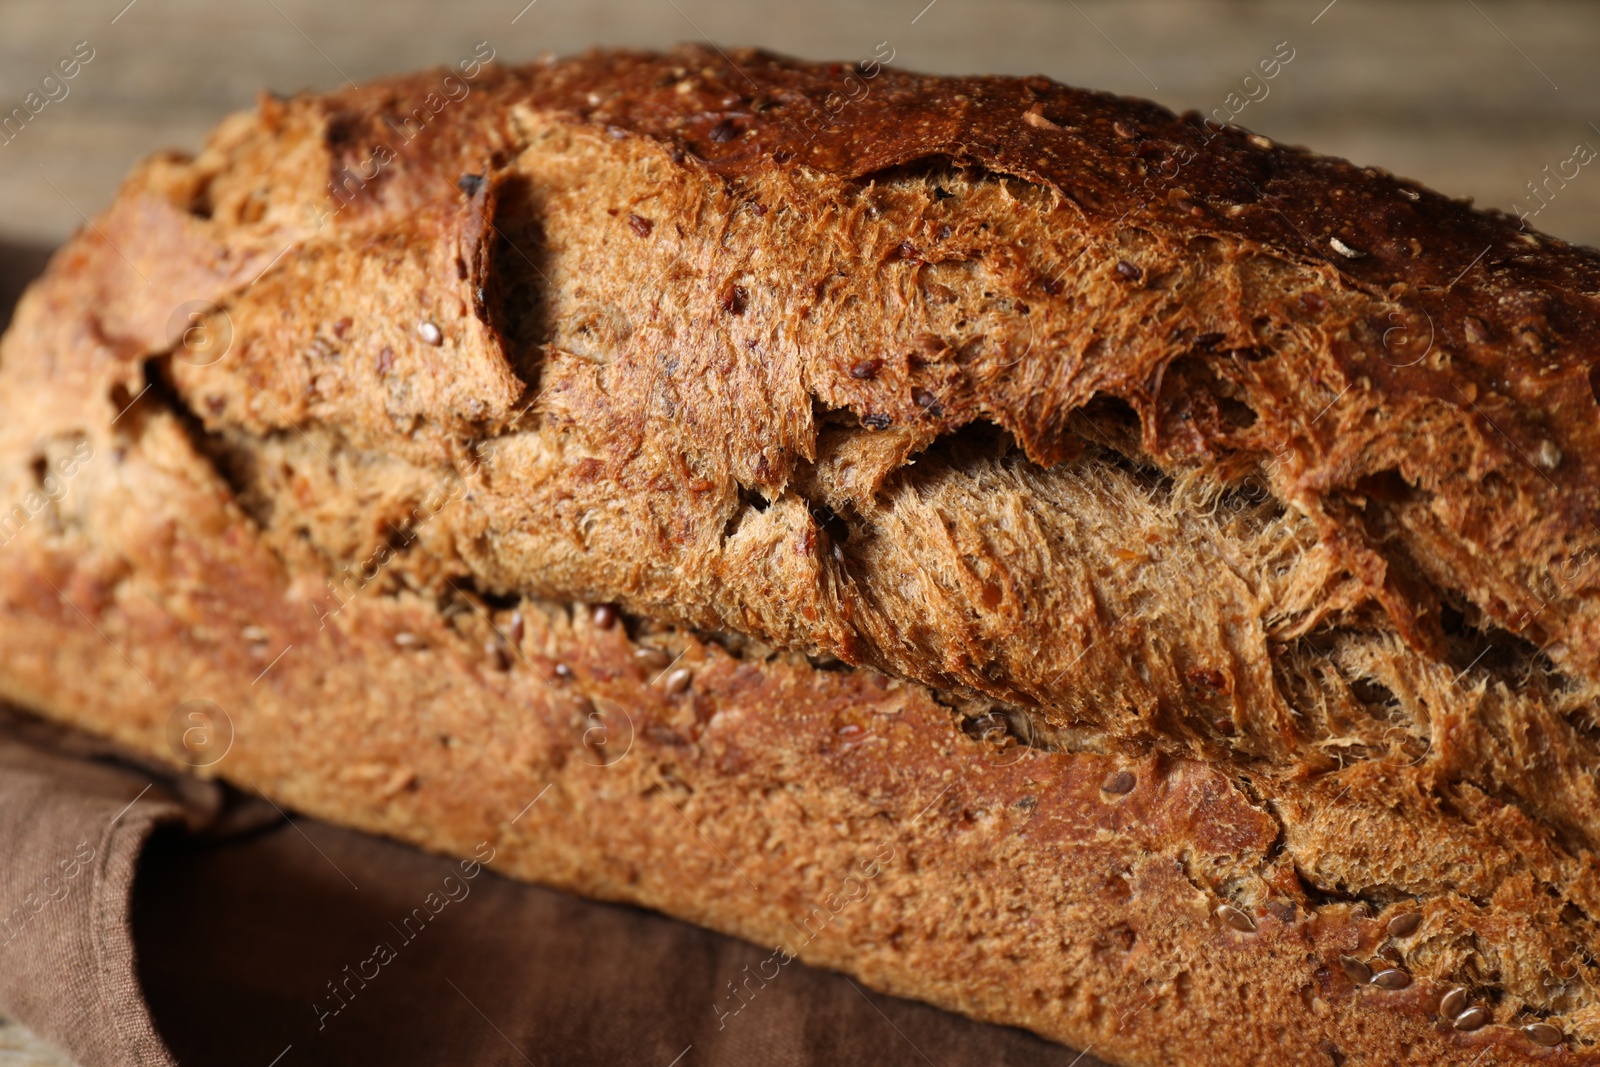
1082 567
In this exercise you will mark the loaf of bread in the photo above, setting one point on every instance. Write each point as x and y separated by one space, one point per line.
1084 567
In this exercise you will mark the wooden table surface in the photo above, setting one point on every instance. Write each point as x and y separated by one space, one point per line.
1473 97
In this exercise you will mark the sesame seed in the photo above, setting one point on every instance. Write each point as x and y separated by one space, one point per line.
516 629
678 680
1391 978
255 634
1034 117
1344 250
1358 972
430 333
1235 918
1544 1034
1405 925
1261 142
1549 455
407 640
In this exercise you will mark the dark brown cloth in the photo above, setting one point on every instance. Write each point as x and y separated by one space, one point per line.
149 919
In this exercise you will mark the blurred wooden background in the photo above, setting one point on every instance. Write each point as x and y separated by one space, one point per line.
1474 97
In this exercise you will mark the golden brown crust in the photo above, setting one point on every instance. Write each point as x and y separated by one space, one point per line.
1419 342
835 815
672 344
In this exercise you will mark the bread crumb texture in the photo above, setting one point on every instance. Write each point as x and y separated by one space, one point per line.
1008 560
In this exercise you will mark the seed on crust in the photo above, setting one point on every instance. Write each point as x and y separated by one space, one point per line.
1119 782
430 333
1473 1018
1453 1003
605 616
678 680
1034 117
1235 918
1358 972
1405 924
653 658
1544 1034
1392 978
1344 250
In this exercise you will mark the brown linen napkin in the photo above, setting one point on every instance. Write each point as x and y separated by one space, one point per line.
71 832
